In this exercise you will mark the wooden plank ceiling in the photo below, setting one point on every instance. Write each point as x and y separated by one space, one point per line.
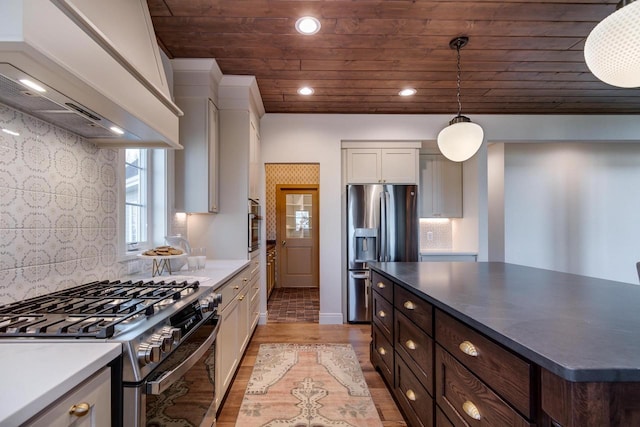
522 57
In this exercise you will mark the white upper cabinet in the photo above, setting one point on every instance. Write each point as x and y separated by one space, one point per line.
197 165
382 165
254 161
440 187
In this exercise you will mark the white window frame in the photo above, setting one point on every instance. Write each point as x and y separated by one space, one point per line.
125 250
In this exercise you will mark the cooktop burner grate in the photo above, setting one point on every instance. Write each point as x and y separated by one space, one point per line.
94 309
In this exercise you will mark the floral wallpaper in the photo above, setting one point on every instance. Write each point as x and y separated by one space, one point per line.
285 173
58 209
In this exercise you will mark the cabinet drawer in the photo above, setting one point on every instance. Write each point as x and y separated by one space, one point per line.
416 348
382 354
382 285
459 393
231 289
382 314
503 371
416 309
412 396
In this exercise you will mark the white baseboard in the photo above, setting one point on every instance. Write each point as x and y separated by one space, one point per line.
330 319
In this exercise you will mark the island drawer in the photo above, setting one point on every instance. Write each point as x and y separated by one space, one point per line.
466 400
416 309
416 347
382 354
507 374
232 288
382 314
382 285
412 396
441 419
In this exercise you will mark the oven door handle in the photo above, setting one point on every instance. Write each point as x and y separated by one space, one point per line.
165 381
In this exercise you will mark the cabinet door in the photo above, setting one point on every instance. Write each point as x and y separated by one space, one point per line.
398 165
440 187
212 132
254 162
95 393
227 355
363 165
242 327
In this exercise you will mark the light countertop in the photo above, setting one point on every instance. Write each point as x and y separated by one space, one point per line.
35 374
215 273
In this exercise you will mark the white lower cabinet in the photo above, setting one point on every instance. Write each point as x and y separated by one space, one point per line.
87 405
237 325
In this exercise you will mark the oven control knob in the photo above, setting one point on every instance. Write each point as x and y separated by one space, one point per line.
148 353
164 341
211 302
174 333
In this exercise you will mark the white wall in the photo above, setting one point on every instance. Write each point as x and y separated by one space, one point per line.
574 207
317 137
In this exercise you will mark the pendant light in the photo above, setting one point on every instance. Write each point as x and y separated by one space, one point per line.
461 139
612 50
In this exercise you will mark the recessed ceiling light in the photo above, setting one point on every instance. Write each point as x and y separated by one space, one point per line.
407 92
116 130
307 25
32 85
305 91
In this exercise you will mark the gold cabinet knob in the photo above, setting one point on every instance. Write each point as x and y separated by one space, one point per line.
468 348
381 313
410 344
382 351
409 305
381 285
470 409
236 287
80 409
241 297
410 395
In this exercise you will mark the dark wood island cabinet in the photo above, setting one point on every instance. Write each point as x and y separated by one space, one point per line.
494 344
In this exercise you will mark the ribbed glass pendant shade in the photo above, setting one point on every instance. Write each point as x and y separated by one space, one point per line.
612 50
460 140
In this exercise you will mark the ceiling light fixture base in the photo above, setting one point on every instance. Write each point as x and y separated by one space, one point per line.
459 42
459 119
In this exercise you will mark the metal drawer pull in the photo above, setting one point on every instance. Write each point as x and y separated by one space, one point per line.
410 395
381 285
381 313
236 287
382 351
470 409
80 410
409 305
410 344
468 348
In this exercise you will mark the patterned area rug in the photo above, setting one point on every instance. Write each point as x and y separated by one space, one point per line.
307 385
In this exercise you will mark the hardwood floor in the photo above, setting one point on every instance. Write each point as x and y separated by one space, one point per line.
359 336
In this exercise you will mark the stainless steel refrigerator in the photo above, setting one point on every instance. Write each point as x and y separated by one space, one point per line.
382 225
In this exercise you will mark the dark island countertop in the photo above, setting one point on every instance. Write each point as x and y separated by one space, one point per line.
580 328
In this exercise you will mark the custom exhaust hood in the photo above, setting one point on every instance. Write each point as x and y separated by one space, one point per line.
100 67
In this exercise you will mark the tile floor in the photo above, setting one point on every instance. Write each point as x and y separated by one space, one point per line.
294 305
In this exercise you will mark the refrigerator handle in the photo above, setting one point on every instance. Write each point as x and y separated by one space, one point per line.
383 227
367 290
387 229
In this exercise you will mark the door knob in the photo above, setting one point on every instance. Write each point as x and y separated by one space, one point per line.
284 242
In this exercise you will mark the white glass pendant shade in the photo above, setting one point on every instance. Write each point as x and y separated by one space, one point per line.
460 141
612 50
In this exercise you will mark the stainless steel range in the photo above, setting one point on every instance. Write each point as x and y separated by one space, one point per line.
167 329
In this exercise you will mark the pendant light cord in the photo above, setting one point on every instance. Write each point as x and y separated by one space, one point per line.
458 80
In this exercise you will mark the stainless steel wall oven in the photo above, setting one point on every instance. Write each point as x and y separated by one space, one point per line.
255 217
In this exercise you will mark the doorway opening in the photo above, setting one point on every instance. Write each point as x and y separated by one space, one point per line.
292 231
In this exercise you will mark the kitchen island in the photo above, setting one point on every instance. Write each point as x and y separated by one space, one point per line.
507 344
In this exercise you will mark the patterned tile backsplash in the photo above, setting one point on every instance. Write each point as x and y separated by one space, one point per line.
58 209
435 234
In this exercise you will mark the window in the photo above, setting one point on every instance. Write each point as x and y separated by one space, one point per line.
136 198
